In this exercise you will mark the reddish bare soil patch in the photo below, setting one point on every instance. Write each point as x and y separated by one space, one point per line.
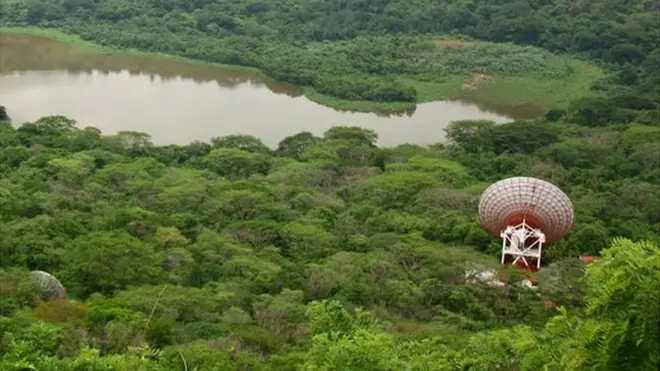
445 43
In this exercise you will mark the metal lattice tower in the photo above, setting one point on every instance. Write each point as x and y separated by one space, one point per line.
528 214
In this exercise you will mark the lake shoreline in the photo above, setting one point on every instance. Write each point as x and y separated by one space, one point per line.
177 102
81 45
495 94
310 93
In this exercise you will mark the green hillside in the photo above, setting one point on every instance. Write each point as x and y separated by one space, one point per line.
331 253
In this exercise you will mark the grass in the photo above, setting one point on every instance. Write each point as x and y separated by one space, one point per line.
385 108
521 96
449 87
72 40
514 94
86 47
426 92
536 87
517 95
511 79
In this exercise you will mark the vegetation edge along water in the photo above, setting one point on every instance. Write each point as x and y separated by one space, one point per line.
331 253
83 46
507 94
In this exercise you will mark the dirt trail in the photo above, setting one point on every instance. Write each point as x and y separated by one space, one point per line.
477 79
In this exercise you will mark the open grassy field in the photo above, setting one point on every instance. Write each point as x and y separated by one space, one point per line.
518 81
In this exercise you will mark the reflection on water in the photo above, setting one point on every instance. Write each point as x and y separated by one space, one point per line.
21 52
177 103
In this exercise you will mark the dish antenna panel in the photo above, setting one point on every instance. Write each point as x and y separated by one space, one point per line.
528 214
50 287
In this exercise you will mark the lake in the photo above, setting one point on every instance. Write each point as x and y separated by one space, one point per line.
178 102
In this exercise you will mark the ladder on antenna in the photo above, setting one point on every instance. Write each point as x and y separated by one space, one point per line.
524 244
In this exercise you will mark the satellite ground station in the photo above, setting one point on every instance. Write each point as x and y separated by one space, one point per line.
50 287
528 214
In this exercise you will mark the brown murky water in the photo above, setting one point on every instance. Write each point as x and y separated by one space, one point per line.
178 102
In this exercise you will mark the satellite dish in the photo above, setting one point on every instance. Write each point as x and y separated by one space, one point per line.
527 213
50 287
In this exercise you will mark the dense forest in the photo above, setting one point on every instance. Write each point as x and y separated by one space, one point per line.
327 253
331 253
386 50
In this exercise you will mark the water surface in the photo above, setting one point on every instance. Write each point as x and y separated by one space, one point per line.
177 102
